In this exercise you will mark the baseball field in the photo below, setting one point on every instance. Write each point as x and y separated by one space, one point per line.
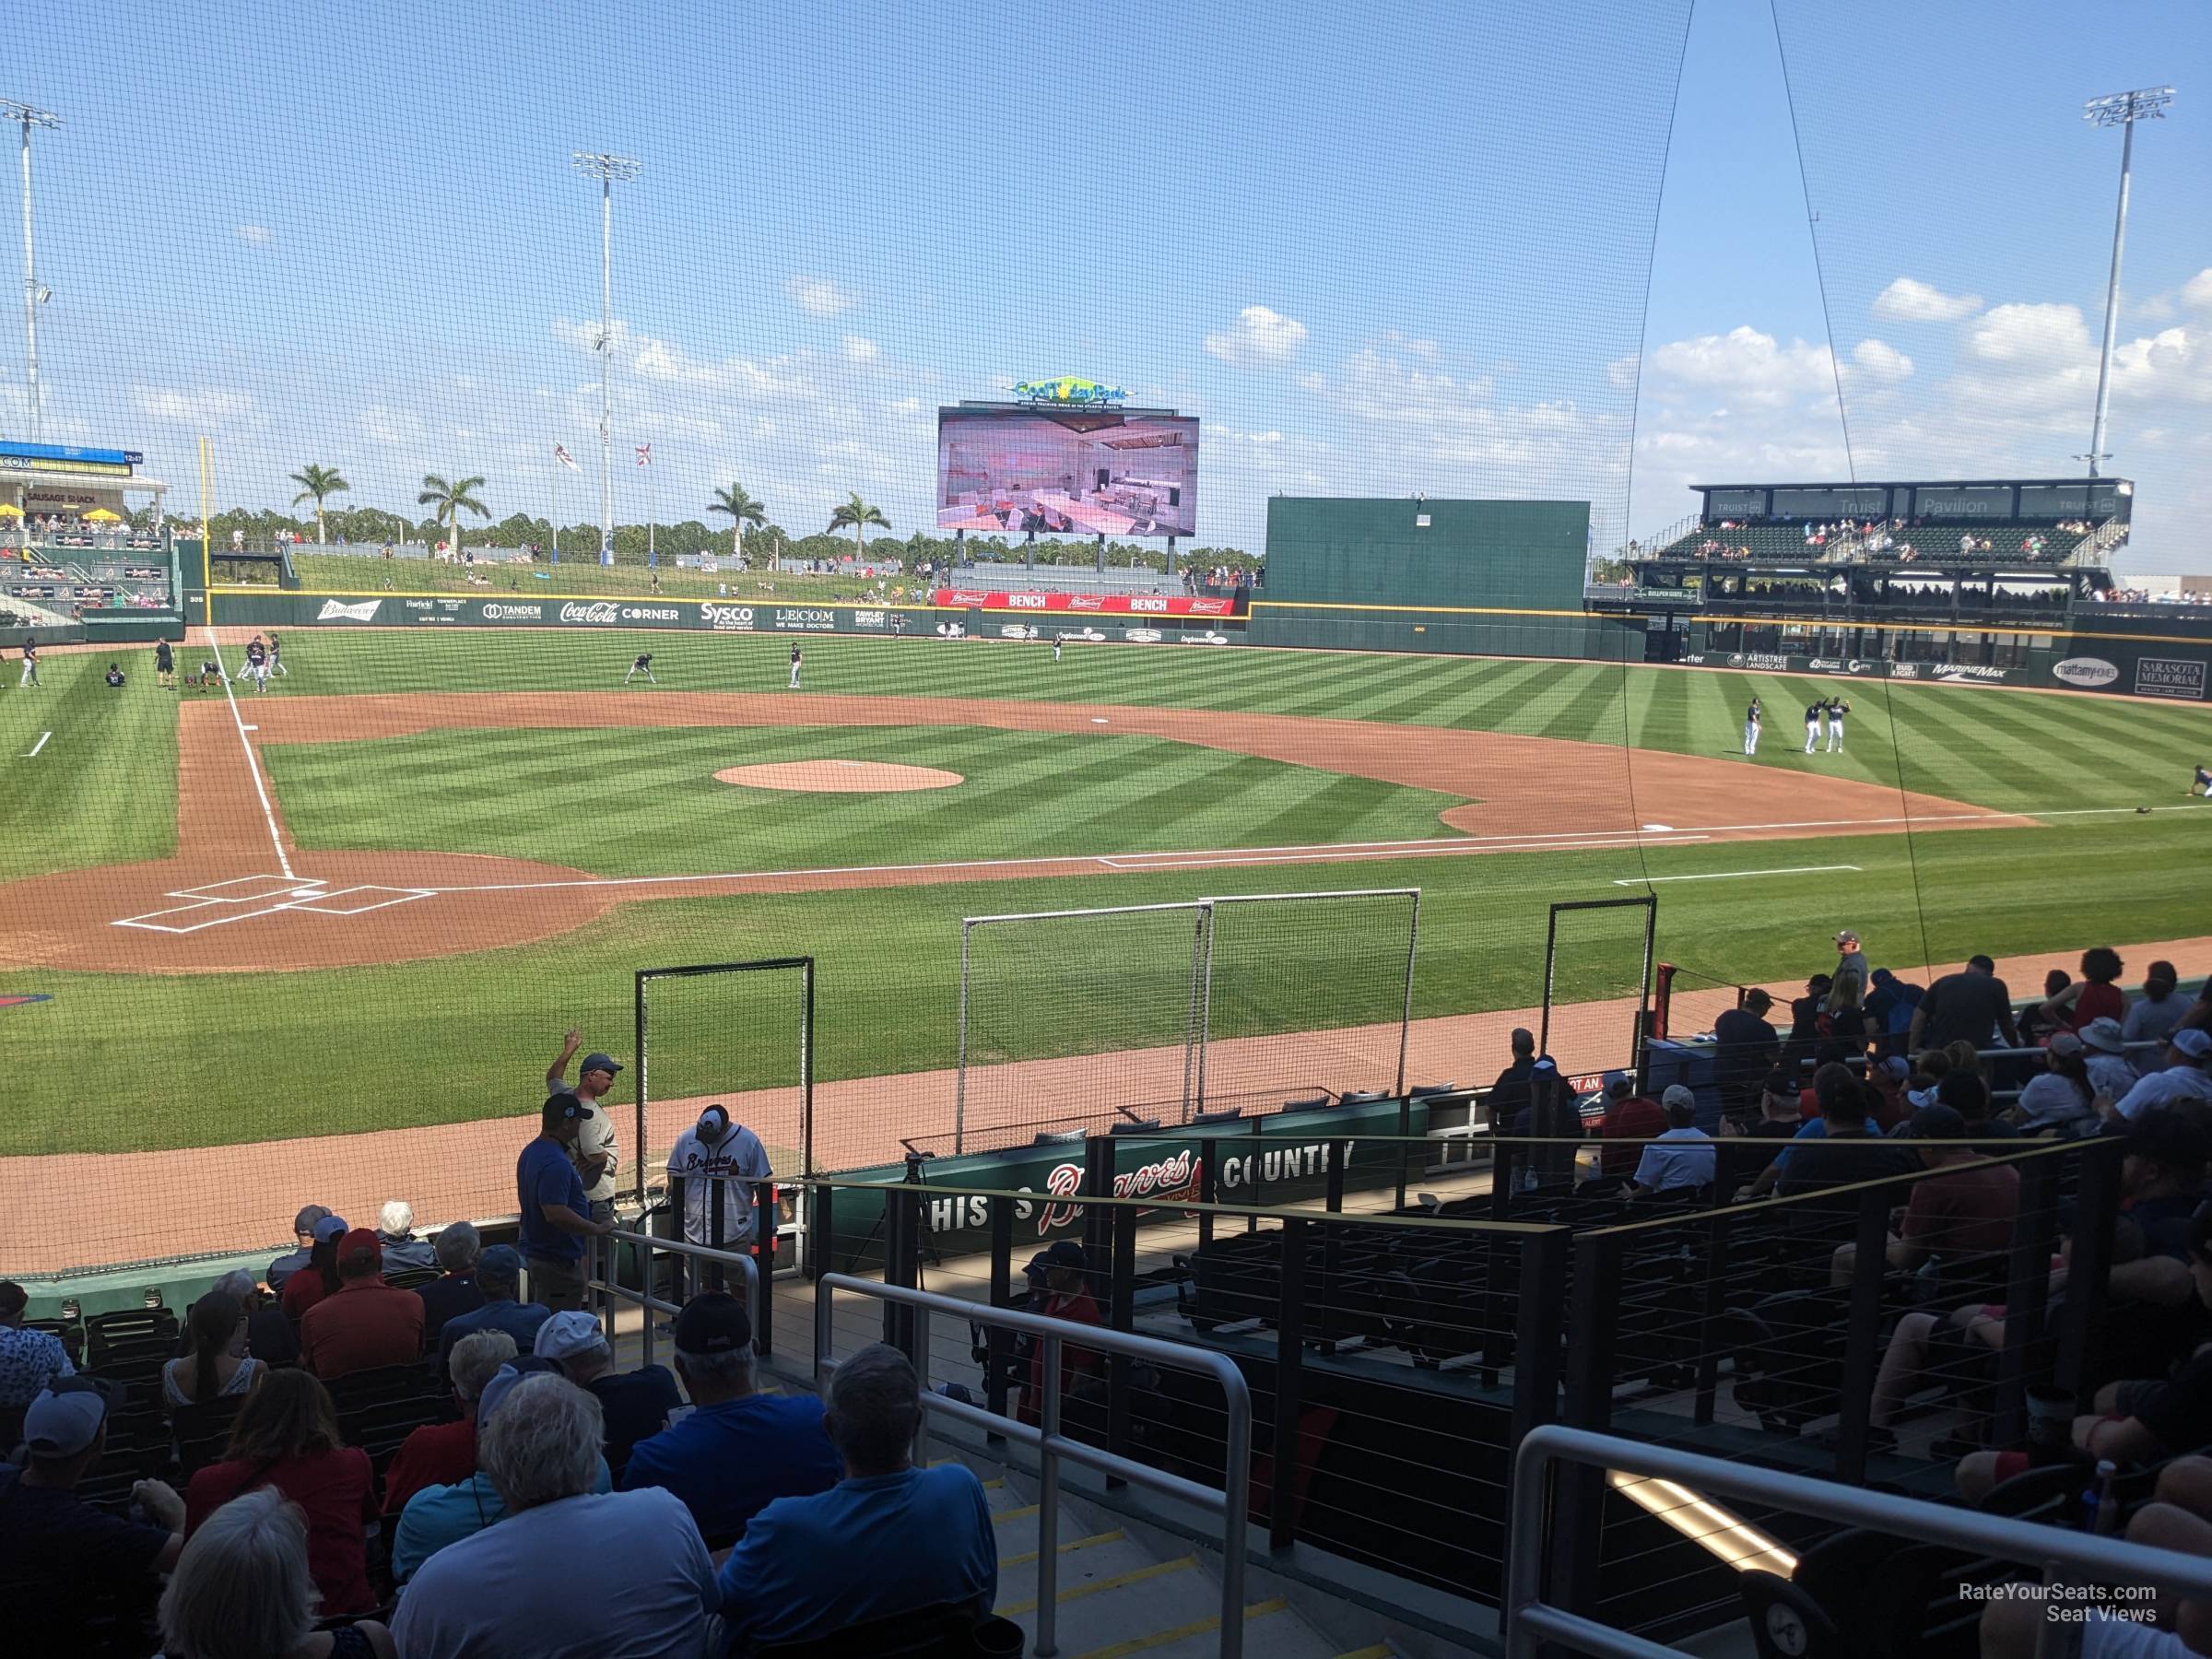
357 911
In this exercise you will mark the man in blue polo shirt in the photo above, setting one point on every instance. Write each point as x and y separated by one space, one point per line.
556 1216
887 1539
737 1450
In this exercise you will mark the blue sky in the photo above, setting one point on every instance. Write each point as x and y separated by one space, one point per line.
1396 250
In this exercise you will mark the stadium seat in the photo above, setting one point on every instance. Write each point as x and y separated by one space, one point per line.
105 1332
929 1633
203 1431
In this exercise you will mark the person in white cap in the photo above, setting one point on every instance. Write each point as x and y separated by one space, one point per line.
2109 1074
2188 1051
61 1560
1684 1156
636 1405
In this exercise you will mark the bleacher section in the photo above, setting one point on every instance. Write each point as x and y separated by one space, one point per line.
1928 543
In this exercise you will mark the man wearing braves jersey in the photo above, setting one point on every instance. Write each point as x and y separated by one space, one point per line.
1816 719
1751 719
1837 709
711 1172
257 664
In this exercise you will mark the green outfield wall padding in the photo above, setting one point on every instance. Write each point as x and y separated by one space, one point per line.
1518 555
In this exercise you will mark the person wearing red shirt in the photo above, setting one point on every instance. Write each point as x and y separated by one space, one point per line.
2095 995
304 1287
368 1324
1062 1295
1631 1119
286 1437
445 1453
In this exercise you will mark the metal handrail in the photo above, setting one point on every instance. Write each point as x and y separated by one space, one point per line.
647 1243
1232 1504
1530 1622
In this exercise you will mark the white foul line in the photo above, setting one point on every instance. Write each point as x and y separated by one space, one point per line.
1738 875
268 813
38 745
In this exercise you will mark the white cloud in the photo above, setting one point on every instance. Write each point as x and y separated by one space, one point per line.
205 408
818 297
859 348
2197 290
1750 366
1881 361
1908 301
1258 336
260 235
2030 335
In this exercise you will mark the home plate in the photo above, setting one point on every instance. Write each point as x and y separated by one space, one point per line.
1657 828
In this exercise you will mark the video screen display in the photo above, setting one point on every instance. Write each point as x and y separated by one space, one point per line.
1067 472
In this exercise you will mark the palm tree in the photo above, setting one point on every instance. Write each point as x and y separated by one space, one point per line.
315 482
451 500
859 514
743 511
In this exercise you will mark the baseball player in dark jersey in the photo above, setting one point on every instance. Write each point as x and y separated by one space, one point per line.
1058 640
31 663
1751 719
795 661
1816 722
257 664
643 666
277 656
165 665
1837 709
2203 785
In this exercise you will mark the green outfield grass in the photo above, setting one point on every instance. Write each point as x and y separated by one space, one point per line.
211 1059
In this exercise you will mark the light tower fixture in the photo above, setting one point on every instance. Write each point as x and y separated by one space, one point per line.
2121 110
607 168
35 293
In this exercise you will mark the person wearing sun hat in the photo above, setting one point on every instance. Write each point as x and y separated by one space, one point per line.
2106 1057
2188 1051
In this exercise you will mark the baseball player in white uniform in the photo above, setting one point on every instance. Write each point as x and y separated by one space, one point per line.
1751 719
795 661
257 664
1815 716
1837 709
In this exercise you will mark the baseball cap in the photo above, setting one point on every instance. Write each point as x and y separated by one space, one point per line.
714 1122
68 1414
1920 1099
1618 1082
714 1323
1778 1082
568 1334
1677 1094
2103 1034
330 1226
502 1263
304 1222
1881 976
1847 937
560 1108
1937 1122
488 1397
1062 1252
2065 1043
593 1062
1546 1064
1896 1066
2193 1042
360 1242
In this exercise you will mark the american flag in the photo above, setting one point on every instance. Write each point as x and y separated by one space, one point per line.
561 454
644 454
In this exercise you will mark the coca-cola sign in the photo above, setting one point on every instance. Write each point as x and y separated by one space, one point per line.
600 612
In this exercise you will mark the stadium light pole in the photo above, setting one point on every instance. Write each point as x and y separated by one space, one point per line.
27 116
607 169
2121 109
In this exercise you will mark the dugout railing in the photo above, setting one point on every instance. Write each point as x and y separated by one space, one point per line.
1396 1357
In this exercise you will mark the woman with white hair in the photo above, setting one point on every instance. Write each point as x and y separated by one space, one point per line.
570 1573
241 1590
404 1253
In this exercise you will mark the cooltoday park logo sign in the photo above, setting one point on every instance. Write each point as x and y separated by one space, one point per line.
1281 1160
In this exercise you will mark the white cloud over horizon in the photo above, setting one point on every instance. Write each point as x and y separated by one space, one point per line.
1259 336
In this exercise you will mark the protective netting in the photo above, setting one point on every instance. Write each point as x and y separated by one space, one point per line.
739 1036
1596 983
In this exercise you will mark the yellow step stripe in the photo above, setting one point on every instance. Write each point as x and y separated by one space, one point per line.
1031 1555
1136 1576
1022 1513
1197 1627
1382 1649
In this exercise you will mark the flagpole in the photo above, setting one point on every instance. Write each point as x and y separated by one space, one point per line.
556 508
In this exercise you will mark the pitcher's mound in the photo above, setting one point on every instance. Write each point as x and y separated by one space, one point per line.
838 777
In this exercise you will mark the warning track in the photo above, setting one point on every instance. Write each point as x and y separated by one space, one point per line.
229 901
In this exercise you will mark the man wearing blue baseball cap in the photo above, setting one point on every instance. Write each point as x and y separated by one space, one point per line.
557 1221
61 1560
498 1273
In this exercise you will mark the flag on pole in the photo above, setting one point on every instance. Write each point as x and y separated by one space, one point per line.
561 454
644 454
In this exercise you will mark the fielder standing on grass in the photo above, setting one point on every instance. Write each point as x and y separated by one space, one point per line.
643 666
165 665
1837 709
1751 718
795 661
257 664
276 655
30 665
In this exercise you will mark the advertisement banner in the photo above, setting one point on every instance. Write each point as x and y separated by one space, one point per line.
2171 676
1142 605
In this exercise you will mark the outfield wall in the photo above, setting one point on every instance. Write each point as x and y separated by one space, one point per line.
2170 660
